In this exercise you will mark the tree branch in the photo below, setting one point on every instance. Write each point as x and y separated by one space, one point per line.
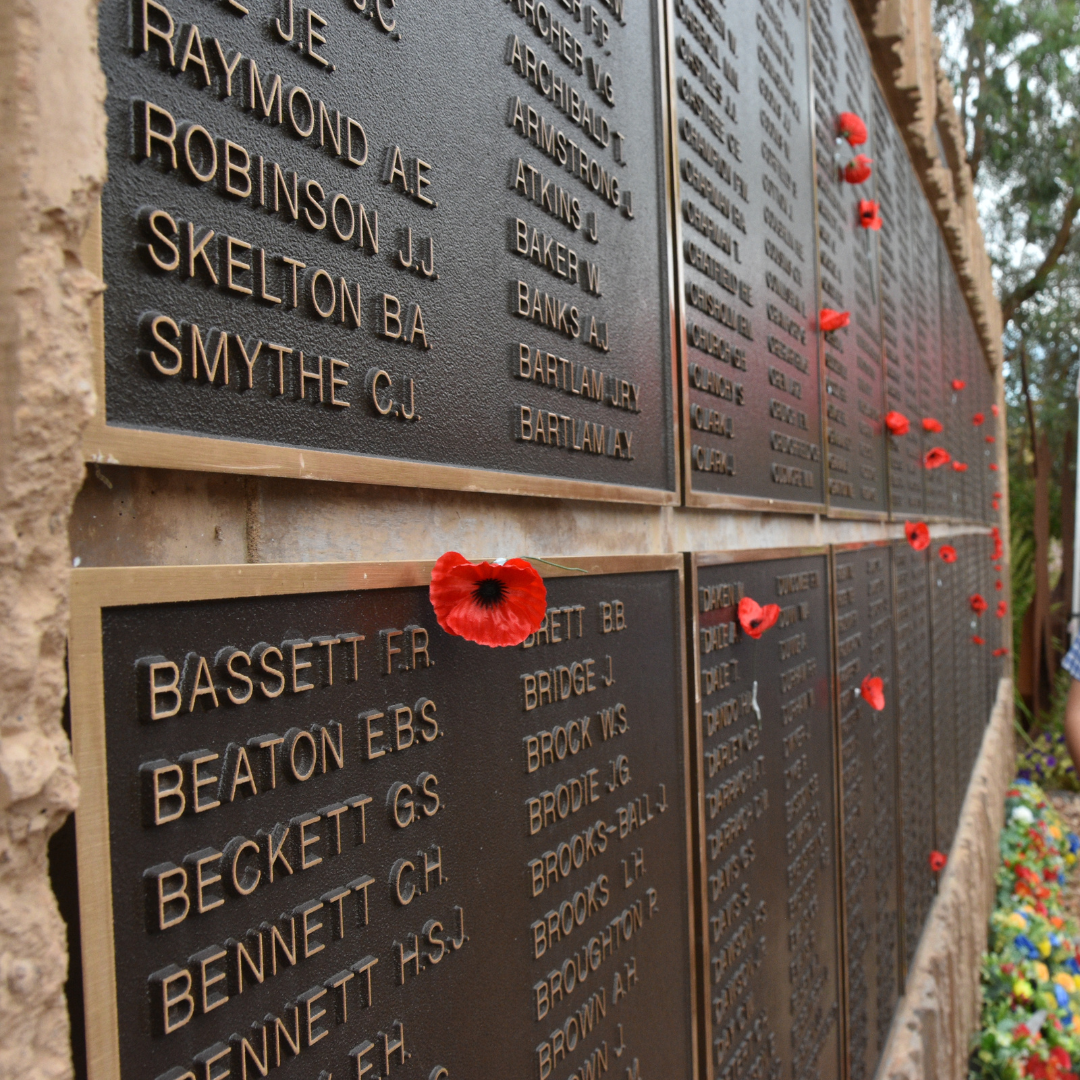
1038 279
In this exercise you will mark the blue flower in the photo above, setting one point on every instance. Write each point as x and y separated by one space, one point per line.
1073 965
1061 995
1026 946
1055 941
1051 761
1061 878
1074 842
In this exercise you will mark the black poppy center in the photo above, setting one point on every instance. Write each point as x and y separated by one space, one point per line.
489 592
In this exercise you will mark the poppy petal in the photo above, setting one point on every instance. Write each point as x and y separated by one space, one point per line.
958 384
978 418
897 422
959 466
976 640
503 613
995 410
936 456
1002 608
918 535
851 127
1001 652
755 619
938 859
833 320
978 604
858 170
872 692
947 553
930 424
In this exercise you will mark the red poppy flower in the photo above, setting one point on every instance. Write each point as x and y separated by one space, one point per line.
993 466
869 218
998 585
1001 652
978 604
851 127
918 535
977 419
833 320
498 603
755 619
938 859
976 640
990 438
1002 608
947 553
997 495
930 424
958 384
857 170
995 410
897 422
873 692
936 456
959 466
995 532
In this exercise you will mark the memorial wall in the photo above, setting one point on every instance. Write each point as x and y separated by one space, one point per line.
615 286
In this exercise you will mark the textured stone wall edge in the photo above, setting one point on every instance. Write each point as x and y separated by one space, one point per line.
52 164
907 56
930 1038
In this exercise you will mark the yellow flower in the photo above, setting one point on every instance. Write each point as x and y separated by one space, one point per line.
1076 1022
1014 918
1066 981
1055 832
1042 972
1022 989
1044 947
1027 909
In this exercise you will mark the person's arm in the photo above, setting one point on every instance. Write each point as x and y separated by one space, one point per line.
1072 722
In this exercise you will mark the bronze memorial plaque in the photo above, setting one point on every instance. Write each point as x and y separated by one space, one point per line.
863 614
321 837
928 341
767 818
915 731
391 242
894 186
843 81
745 252
944 586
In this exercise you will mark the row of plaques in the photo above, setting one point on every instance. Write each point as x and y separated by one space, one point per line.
321 837
545 246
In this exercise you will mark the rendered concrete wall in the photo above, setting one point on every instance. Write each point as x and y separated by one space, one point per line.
52 163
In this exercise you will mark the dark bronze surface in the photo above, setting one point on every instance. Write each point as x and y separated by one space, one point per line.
928 341
544 945
542 276
769 869
944 631
848 267
956 416
899 257
863 614
745 238
915 730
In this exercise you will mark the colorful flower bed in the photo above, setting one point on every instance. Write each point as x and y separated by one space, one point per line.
1031 975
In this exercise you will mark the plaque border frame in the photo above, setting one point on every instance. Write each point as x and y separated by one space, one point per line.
96 588
692 498
114 444
695 560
